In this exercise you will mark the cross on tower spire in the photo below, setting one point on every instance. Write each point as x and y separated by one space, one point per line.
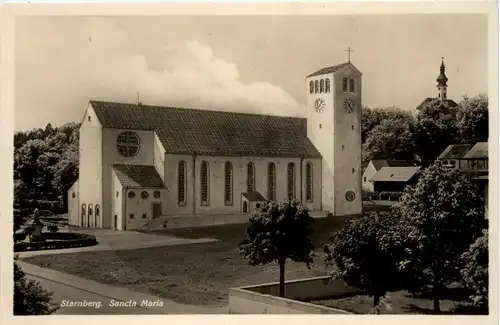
349 50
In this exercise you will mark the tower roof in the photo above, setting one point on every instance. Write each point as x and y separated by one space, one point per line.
442 79
333 69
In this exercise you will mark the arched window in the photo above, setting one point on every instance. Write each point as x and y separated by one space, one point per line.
271 182
250 177
90 210
322 86
89 216
311 87
316 86
352 85
84 210
344 85
309 178
97 209
291 181
228 183
181 183
204 180
327 85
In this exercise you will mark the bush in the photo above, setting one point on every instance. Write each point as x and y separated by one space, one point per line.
56 207
29 297
57 240
475 271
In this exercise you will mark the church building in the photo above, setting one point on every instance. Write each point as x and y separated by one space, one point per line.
139 162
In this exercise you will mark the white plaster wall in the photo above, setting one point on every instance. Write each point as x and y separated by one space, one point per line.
216 180
73 205
369 172
90 167
159 157
140 208
111 156
116 200
347 146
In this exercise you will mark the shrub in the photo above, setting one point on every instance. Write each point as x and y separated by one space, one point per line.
475 271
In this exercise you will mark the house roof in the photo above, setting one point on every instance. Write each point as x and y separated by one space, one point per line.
455 151
379 163
138 176
214 133
479 151
447 102
333 69
395 174
254 196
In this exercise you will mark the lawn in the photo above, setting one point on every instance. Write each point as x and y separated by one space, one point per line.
193 274
402 302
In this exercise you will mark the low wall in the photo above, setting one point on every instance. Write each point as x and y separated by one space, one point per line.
263 299
200 220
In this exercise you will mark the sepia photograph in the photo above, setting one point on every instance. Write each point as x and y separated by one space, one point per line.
252 164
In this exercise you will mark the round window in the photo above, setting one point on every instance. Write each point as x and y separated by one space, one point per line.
144 194
350 196
131 194
128 144
156 194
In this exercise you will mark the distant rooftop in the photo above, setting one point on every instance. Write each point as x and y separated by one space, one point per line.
479 151
395 174
455 151
332 69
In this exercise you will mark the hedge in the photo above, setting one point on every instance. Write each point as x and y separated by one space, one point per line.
57 241
56 207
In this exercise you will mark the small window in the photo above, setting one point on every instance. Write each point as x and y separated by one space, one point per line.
117 194
144 195
156 194
322 86
144 216
131 216
343 147
97 210
84 209
73 195
352 87
344 85
90 210
352 127
257 205
131 194
353 170
320 126
311 87
316 86
364 179
327 85
89 118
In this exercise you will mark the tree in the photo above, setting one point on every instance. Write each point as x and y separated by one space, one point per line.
475 271
366 254
472 119
29 297
434 130
441 216
391 139
279 231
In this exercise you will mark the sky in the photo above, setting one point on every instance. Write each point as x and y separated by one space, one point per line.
255 64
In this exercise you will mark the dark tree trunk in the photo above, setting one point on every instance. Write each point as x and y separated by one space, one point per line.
282 277
436 287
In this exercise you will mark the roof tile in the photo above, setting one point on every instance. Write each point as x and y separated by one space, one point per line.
138 176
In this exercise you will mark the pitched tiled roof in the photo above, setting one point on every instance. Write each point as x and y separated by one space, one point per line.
254 196
395 174
138 176
379 163
455 151
215 133
447 102
333 69
480 150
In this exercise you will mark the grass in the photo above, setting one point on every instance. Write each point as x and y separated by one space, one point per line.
400 302
193 274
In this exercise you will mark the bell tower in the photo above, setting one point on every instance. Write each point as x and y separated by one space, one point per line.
334 127
442 87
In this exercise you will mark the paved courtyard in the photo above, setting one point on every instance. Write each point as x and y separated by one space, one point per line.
119 240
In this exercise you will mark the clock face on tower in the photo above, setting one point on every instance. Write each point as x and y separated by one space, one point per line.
319 105
349 105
